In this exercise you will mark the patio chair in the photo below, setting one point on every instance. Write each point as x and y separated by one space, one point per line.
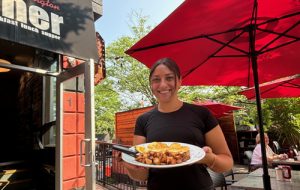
248 154
231 174
218 179
278 149
251 167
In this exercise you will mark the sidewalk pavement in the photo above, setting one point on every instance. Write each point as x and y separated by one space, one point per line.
99 187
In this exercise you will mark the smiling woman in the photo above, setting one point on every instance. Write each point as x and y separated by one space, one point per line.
175 121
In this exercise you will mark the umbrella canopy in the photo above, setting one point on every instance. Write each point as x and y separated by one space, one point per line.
288 87
218 109
233 43
210 41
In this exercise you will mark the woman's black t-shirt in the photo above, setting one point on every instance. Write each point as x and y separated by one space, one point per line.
187 125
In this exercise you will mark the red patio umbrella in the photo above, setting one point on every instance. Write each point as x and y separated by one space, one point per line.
218 109
234 43
287 87
210 41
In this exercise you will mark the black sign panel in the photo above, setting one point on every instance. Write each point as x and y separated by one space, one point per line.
61 26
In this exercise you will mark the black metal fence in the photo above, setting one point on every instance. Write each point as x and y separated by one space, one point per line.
110 173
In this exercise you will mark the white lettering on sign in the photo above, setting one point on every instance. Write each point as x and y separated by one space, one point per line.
38 17
50 35
8 8
8 21
29 28
56 20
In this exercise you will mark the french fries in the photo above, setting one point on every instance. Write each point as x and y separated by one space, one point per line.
158 153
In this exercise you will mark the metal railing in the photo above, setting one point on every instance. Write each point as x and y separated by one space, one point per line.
110 173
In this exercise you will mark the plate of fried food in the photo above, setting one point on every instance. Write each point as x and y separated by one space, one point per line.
164 154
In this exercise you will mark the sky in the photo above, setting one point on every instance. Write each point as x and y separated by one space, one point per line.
116 13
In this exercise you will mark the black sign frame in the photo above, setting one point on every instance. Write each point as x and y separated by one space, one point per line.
61 26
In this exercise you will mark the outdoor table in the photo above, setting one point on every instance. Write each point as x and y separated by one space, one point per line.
294 164
259 173
254 181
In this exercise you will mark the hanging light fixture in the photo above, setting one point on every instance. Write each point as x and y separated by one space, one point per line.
3 61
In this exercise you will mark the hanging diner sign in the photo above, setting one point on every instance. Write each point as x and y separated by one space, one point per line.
61 26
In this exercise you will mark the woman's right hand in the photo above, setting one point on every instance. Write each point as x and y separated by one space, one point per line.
137 173
132 167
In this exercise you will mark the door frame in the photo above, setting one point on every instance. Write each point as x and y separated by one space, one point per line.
87 70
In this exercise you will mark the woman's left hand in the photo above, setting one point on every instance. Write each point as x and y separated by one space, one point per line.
209 158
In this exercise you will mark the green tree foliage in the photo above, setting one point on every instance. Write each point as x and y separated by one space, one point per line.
281 119
106 104
127 87
225 94
130 77
285 119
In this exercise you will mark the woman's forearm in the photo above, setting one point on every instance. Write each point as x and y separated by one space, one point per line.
221 163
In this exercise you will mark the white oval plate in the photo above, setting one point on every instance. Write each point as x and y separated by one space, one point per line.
196 154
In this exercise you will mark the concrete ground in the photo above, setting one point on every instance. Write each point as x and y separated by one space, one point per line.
241 172
99 187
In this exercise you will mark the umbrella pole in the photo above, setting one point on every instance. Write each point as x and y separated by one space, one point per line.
266 177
